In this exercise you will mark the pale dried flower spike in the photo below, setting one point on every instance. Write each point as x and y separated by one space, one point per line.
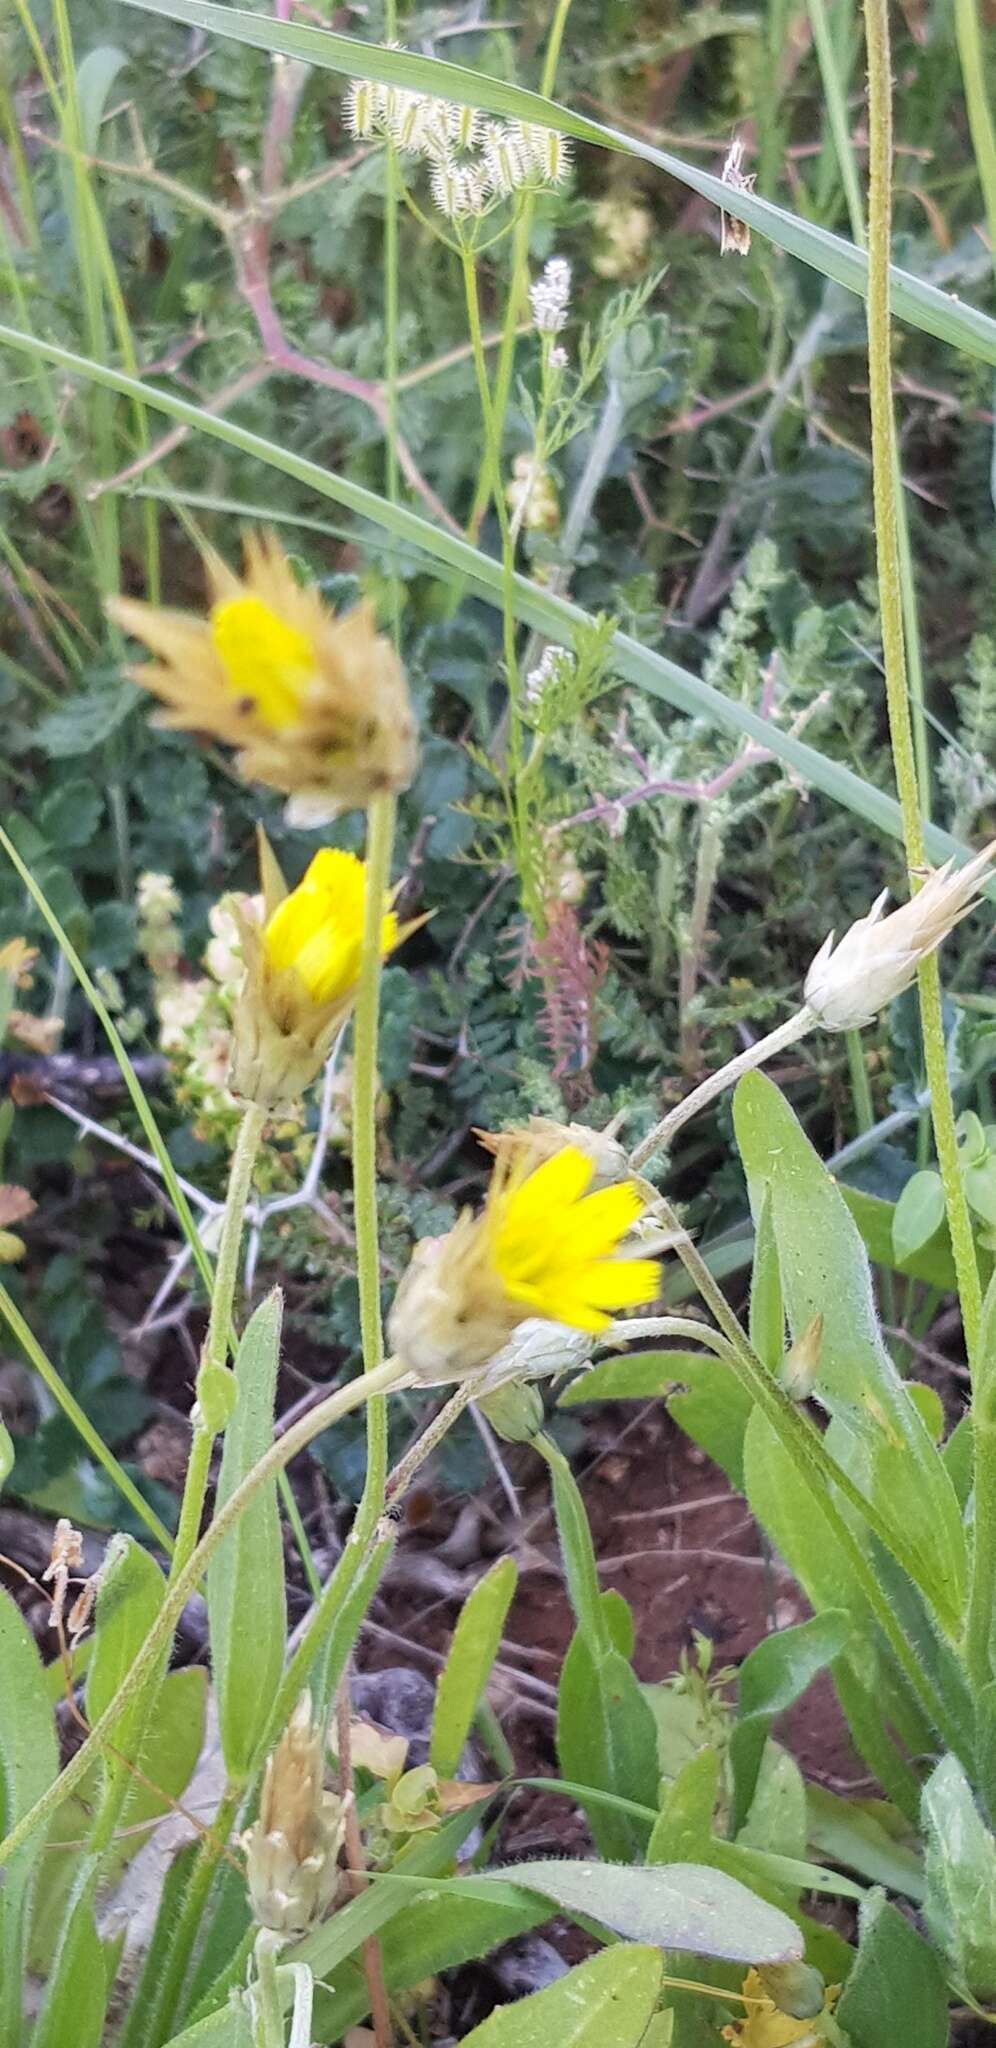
547 150
363 108
847 985
734 235
65 1559
550 296
506 158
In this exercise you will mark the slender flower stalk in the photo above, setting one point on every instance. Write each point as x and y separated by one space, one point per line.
389 1376
209 1413
884 463
982 1589
658 1140
379 847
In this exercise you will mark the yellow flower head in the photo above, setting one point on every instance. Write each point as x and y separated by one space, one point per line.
315 705
544 1246
302 970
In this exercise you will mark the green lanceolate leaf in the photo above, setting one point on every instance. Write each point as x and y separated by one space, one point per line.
960 1907
867 1835
465 1674
937 312
767 1305
896 1990
683 1827
553 616
789 1509
673 1905
609 1999
882 1440
771 1679
76 2000
128 1601
247 1609
576 1548
607 1739
28 1765
918 1215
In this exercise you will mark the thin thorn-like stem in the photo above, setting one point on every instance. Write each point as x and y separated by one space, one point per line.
658 1140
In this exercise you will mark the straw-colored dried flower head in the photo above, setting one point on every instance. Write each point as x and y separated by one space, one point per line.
542 1137
302 969
315 705
292 1849
847 985
544 1245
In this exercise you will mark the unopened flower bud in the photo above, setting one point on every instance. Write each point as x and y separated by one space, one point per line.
795 1988
216 1394
801 1364
515 1411
292 1849
878 957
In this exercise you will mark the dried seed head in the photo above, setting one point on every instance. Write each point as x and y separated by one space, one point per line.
78 1618
66 1558
734 235
292 1849
315 704
878 957
506 157
363 108
545 150
464 125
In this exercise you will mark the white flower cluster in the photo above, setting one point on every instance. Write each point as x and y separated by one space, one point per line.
474 162
550 664
550 296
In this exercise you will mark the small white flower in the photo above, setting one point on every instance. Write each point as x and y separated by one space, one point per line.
558 358
550 296
878 957
546 668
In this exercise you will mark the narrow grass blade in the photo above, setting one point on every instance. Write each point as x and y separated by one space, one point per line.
553 616
923 305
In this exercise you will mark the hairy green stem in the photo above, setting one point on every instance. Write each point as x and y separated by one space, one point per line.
386 1377
884 467
515 782
378 875
978 100
517 285
268 2015
657 1140
215 1352
159 2021
392 194
825 1476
